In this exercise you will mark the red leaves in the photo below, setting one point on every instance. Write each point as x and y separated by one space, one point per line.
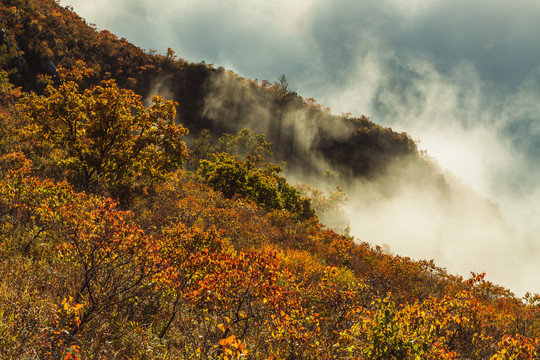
202 271
301 303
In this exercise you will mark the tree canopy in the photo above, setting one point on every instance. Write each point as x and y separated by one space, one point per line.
104 136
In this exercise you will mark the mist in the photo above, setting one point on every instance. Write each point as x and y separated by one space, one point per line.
409 210
461 77
483 140
487 139
462 233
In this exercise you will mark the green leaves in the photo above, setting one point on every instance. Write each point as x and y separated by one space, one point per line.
244 143
256 180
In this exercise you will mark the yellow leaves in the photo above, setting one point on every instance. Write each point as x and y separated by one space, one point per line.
73 309
303 299
105 132
222 327
66 304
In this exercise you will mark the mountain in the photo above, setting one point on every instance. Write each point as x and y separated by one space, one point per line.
208 98
135 226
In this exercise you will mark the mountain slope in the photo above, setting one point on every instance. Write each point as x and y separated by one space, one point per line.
43 35
110 248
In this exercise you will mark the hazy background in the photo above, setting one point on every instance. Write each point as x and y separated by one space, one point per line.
462 77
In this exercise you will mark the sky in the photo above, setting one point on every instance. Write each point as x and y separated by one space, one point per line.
461 77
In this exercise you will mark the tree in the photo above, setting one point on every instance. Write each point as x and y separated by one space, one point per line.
8 93
282 87
327 206
246 142
201 147
105 136
256 180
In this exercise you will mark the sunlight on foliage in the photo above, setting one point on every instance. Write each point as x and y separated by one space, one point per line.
109 249
104 135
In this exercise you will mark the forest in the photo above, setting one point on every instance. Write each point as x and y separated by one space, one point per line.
147 212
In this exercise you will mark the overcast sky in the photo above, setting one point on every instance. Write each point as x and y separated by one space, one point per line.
460 76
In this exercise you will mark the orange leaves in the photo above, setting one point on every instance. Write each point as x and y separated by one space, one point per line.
312 104
476 278
460 325
180 251
517 347
224 342
72 353
301 294
201 272
228 280
231 347
77 73
15 163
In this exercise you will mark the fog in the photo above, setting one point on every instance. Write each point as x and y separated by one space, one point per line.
487 138
461 77
409 210
462 233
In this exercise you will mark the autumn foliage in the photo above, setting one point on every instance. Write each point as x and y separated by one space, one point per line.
103 137
111 249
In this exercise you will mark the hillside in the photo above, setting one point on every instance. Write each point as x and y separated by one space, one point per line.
37 39
135 226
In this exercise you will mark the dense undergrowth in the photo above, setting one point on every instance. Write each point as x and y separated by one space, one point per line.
115 244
